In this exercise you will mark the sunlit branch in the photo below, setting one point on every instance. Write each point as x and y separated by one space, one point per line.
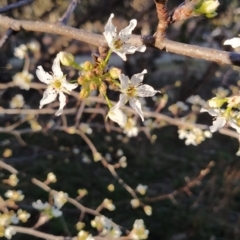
209 54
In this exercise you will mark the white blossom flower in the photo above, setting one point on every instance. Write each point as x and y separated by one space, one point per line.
222 118
83 235
51 177
39 205
130 128
117 115
56 212
20 51
142 189
131 89
115 232
17 101
219 121
101 222
9 232
108 204
57 84
60 198
23 215
23 79
14 195
234 42
117 42
139 232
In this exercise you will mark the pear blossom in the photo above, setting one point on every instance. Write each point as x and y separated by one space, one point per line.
219 121
17 101
223 118
60 198
117 42
234 42
130 128
9 232
20 51
142 189
131 89
23 79
39 205
139 231
57 84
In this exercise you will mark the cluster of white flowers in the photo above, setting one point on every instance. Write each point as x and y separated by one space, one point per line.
106 227
193 136
47 209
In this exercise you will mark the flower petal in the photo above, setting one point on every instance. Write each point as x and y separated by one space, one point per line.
212 112
110 30
125 33
56 67
49 95
62 100
43 76
137 78
69 86
124 81
121 54
136 105
122 101
217 124
117 116
146 91
234 42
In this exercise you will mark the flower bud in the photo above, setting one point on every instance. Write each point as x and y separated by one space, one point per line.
207 7
84 93
66 58
81 80
114 72
89 75
103 88
93 86
87 66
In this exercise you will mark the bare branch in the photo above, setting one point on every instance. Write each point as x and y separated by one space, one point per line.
209 54
5 37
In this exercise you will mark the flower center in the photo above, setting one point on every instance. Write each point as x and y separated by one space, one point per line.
117 43
57 84
131 91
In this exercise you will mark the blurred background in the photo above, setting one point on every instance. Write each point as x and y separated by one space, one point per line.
156 157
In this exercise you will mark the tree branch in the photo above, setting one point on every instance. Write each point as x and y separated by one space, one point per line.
209 54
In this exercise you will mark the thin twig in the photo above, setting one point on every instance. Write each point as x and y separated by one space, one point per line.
15 5
5 37
71 7
195 182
